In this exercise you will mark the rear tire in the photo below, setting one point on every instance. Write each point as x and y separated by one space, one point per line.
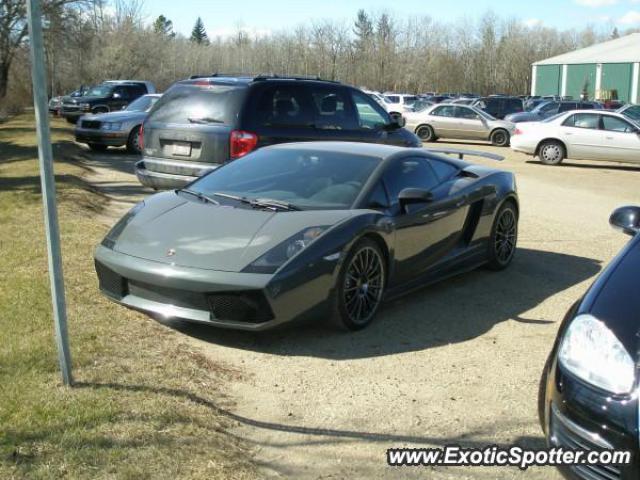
504 237
426 133
96 147
133 142
500 138
551 152
360 286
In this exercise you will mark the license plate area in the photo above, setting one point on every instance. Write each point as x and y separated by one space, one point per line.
181 149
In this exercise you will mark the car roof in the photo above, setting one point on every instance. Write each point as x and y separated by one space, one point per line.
218 79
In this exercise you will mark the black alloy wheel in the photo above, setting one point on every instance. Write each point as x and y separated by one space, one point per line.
361 286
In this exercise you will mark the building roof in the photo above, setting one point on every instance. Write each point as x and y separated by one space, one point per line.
620 50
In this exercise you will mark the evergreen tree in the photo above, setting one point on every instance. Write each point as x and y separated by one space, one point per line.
615 34
363 30
199 34
163 26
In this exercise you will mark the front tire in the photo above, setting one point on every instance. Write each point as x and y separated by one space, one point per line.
500 138
360 286
551 152
426 133
133 142
504 237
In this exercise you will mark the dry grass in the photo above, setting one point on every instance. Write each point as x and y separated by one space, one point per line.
145 404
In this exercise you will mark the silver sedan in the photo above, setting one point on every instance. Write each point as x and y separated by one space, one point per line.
446 120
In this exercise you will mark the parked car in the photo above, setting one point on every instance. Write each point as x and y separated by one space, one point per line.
579 135
499 106
446 120
631 111
116 129
399 103
106 97
547 109
588 397
201 124
55 103
420 105
316 229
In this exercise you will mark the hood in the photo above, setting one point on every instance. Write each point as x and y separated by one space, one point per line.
83 99
118 116
213 237
508 125
615 298
522 117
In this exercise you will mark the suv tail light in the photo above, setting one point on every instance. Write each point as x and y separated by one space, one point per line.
141 137
241 143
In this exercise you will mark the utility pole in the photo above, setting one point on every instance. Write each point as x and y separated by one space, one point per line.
47 180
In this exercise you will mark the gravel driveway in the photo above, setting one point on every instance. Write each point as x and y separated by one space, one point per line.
455 363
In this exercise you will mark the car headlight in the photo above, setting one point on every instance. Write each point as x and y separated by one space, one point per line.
278 255
593 353
112 237
111 126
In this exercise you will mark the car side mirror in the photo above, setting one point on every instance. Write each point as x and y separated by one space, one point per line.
397 121
409 196
626 219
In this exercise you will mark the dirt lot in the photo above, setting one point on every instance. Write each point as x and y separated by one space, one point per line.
458 362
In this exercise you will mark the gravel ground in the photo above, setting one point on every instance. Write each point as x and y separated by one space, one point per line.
454 363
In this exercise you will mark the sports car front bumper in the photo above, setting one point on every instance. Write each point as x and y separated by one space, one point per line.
243 301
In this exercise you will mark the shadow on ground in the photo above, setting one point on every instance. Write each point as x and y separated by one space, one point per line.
589 166
471 439
453 311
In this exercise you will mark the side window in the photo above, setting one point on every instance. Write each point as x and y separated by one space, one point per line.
513 105
586 106
445 111
443 170
467 113
122 92
332 109
567 106
583 120
614 124
369 112
413 172
282 106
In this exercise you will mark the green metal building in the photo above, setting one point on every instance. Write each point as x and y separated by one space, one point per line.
598 69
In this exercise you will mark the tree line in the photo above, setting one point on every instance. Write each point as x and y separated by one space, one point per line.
88 41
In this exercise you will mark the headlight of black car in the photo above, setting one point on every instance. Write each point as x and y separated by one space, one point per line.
277 256
593 353
112 237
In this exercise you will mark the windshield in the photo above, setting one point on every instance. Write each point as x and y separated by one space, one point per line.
421 105
554 117
484 114
392 99
199 104
99 91
142 104
631 112
305 178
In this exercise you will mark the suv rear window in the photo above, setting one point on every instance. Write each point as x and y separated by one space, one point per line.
199 104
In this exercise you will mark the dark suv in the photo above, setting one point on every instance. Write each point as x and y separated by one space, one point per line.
202 123
103 98
499 106
550 108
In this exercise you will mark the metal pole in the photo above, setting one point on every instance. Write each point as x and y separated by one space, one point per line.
38 78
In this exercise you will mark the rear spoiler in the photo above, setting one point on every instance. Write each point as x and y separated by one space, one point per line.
460 152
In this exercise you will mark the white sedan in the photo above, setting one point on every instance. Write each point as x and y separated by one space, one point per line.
580 135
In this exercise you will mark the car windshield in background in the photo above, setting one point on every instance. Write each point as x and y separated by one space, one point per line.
632 112
142 104
392 99
198 104
99 91
316 180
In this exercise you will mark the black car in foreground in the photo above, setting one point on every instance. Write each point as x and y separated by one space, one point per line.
202 123
315 229
589 388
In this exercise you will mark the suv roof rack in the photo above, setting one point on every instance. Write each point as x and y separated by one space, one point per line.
273 76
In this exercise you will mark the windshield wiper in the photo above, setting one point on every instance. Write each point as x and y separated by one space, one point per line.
204 120
199 195
260 202
271 203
